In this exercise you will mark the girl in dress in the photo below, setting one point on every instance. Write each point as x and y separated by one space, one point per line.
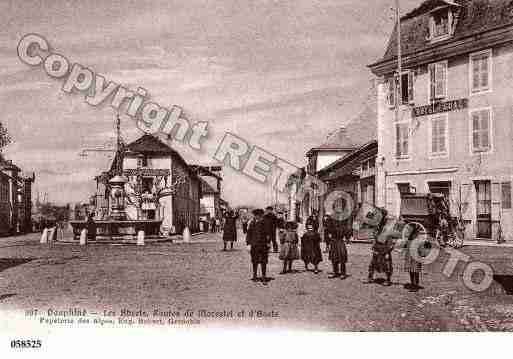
289 251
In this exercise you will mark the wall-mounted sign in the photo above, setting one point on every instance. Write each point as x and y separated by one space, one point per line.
146 172
437 107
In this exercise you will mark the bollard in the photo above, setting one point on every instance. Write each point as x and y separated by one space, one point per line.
186 235
44 236
83 237
140 238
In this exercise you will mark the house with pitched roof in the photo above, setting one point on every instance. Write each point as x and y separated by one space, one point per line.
15 199
444 122
351 147
161 185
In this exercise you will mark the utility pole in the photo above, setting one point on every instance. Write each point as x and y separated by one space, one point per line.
398 97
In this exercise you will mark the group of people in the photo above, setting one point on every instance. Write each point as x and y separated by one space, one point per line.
265 229
215 224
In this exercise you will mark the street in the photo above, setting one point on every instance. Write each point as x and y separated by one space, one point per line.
199 276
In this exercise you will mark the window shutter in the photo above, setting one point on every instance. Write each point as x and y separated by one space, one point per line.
411 78
466 193
484 72
432 80
440 73
391 91
496 200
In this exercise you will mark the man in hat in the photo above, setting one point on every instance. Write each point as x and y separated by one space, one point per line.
258 239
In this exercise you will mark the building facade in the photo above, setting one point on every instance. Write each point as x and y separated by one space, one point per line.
444 123
161 186
15 199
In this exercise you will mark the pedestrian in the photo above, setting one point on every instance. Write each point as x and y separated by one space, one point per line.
412 243
340 231
311 248
289 251
270 224
381 261
230 230
313 220
245 225
257 239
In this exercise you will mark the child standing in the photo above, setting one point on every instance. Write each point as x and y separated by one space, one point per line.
289 250
311 248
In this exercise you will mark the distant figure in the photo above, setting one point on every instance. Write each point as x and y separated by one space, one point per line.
91 227
230 230
217 225
257 239
270 224
245 224
212 225
311 248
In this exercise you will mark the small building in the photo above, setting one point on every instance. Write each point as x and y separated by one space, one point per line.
161 185
445 121
15 199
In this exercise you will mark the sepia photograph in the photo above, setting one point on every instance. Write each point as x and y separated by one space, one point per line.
298 166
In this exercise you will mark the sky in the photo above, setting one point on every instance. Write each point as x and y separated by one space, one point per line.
281 74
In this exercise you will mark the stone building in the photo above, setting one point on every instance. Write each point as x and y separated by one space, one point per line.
444 123
15 199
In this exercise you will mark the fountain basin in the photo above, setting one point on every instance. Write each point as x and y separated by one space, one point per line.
118 229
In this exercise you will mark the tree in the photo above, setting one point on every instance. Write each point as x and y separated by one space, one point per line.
5 138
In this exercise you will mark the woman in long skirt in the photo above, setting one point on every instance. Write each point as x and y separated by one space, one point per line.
289 251
311 248
230 230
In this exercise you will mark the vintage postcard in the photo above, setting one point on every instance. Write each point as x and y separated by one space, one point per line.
307 165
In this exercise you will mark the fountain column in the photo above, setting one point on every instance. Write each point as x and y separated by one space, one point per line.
117 209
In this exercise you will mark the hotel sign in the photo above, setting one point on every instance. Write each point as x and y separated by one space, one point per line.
438 107
146 172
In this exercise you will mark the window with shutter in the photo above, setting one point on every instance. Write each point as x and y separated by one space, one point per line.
438 80
402 140
439 135
481 130
480 71
506 195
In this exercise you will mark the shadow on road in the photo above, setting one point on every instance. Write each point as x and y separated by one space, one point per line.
6 263
506 282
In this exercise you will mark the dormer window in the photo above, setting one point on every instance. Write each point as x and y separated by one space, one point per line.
441 24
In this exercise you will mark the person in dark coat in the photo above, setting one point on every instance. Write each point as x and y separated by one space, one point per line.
230 230
339 232
91 227
311 248
270 224
258 241
313 221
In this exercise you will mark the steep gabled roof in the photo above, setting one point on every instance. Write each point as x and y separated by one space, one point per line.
206 188
360 130
475 16
151 146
